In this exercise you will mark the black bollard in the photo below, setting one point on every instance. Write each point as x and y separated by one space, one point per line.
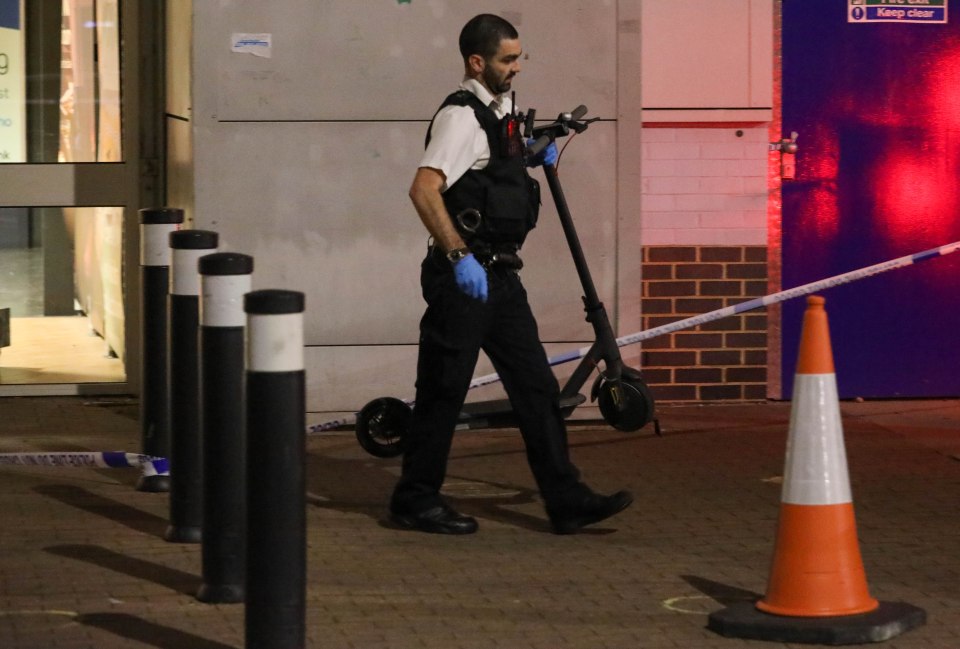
224 280
276 474
156 224
186 468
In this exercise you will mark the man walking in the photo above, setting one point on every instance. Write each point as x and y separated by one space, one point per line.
475 197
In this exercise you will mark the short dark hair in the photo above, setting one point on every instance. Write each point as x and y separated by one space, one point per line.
482 35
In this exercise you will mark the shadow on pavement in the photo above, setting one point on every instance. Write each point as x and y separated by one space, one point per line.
176 580
88 501
722 593
363 486
154 635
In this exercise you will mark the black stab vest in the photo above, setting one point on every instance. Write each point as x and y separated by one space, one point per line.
507 198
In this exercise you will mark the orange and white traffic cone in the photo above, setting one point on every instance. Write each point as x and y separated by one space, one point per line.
817 569
817 590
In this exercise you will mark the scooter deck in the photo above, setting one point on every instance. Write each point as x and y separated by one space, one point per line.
499 413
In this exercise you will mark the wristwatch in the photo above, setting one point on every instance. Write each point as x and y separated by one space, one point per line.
457 254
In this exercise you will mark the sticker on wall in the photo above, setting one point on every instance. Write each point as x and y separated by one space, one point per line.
894 11
256 44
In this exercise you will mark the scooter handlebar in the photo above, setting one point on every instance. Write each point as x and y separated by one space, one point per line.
549 132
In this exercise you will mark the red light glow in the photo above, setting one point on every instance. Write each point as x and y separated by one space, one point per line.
915 196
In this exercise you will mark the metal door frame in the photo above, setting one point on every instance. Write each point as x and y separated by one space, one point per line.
132 184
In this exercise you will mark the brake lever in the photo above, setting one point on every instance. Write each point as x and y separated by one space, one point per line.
581 126
559 128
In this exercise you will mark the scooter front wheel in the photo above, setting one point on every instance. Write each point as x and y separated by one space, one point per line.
382 425
626 403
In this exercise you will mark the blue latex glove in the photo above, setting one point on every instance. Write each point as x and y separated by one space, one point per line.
471 277
548 156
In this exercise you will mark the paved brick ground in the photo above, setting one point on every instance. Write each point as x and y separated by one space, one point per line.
83 564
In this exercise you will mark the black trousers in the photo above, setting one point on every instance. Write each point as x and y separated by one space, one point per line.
454 328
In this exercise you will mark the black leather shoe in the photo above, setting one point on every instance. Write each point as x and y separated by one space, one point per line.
586 510
441 519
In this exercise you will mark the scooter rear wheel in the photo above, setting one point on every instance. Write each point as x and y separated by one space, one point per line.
626 404
382 425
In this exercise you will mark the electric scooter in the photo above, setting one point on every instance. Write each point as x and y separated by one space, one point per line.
624 399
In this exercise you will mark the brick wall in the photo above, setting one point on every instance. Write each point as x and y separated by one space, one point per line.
705 186
720 360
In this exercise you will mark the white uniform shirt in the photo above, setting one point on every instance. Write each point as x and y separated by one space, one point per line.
457 141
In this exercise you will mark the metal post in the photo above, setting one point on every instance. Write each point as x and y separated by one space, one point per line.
276 482
156 224
186 471
225 279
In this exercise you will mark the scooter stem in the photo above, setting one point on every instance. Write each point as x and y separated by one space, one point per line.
605 345
590 298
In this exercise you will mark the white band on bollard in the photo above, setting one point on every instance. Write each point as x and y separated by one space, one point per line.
276 342
222 300
184 276
155 243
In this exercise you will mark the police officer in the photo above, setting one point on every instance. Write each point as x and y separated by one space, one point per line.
475 197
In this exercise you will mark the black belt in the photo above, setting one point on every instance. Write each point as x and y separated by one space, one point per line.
508 260
490 256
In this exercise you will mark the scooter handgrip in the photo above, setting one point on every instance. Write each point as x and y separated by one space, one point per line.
539 145
578 112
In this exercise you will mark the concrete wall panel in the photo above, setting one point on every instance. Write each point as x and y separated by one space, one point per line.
381 60
303 160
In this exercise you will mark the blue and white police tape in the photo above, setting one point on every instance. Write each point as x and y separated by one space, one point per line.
148 464
710 316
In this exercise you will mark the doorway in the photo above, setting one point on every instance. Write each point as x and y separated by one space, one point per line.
76 162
